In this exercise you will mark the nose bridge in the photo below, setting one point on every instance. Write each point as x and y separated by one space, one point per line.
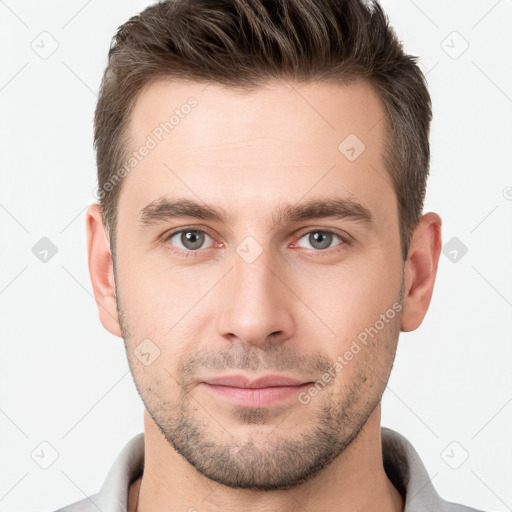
256 304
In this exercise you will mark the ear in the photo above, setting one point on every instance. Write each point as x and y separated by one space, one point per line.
421 270
101 269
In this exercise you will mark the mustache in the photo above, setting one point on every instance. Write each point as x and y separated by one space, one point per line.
241 357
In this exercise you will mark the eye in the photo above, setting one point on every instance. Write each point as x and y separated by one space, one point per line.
188 239
320 240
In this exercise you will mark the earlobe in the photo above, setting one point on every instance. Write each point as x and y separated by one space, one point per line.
421 270
101 269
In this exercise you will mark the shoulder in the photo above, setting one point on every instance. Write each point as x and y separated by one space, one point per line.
113 495
409 475
456 507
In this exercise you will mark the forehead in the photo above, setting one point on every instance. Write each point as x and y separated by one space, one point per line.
279 141
314 111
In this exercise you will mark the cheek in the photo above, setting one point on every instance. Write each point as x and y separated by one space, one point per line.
158 298
169 308
350 297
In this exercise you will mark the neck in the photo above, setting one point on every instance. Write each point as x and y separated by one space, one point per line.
356 480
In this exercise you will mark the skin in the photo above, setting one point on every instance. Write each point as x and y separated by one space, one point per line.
292 311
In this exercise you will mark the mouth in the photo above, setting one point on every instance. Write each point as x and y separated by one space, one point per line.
256 393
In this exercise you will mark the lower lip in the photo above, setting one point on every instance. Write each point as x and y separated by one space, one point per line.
256 397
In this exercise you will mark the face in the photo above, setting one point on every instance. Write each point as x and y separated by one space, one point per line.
258 237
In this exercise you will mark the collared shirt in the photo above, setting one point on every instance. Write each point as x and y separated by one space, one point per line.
402 464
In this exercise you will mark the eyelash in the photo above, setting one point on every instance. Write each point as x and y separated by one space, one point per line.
344 241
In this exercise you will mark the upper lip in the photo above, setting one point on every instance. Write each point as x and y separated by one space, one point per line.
241 381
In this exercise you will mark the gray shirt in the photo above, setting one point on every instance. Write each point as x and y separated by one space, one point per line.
401 463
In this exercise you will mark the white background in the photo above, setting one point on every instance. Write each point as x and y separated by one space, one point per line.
65 380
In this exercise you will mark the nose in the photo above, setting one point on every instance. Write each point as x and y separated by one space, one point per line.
256 303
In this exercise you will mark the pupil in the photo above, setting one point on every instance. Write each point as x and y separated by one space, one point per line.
322 240
192 239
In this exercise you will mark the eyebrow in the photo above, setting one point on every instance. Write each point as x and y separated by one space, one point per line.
164 209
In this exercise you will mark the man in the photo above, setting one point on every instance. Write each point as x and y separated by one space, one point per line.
259 245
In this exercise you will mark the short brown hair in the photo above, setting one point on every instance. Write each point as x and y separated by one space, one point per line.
243 43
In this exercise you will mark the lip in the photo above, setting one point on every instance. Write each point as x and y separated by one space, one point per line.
241 381
256 393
